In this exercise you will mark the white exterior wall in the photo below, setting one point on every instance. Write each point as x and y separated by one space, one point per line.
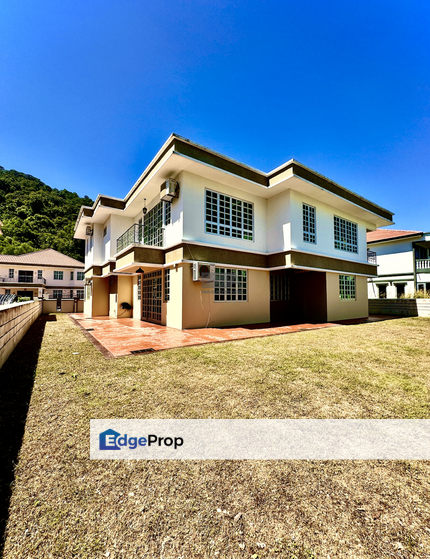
193 199
278 215
394 258
324 229
47 274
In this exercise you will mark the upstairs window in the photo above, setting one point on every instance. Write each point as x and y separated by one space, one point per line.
58 275
229 216
80 276
347 288
309 224
345 235
72 275
11 273
39 274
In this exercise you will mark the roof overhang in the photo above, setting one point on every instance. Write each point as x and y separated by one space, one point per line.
178 155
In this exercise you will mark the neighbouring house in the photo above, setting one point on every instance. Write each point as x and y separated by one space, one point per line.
403 259
203 240
43 273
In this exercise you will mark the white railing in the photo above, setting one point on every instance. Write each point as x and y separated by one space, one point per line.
422 264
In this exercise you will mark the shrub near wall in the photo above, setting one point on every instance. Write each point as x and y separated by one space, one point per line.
15 320
400 307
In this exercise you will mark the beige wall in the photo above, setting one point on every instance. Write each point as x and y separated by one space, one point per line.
15 320
49 306
172 310
338 309
100 298
200 309
125 295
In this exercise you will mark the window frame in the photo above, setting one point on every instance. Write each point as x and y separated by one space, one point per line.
79 274
58 275
224 222
345 242
344 289
311 234
167 285
240 285
11 273
39 274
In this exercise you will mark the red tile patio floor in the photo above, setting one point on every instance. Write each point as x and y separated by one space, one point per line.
117 337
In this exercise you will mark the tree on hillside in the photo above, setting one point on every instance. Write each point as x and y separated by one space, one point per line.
36 216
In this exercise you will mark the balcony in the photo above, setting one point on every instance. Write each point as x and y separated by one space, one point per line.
371 257
422 264
140 235
23 278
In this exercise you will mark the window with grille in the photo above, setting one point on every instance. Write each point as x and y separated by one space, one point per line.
228 216
345 235
167 285
71 276
58 275
309 224
347 288
167 213
139 287
278 288
58 294
80 276
88 292
39 274
80 293
11 273
230 285
153 226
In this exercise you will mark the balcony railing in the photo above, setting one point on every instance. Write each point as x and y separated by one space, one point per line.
22 279
142 235
371 257
422 264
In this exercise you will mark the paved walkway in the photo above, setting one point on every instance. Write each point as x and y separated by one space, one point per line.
116 337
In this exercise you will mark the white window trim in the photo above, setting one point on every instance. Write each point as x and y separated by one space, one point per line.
247 289
334 238
346 299
315 234
218 224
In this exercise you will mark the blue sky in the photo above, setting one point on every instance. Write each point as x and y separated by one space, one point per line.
90 90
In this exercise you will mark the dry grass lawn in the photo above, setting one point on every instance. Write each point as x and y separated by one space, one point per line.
65 506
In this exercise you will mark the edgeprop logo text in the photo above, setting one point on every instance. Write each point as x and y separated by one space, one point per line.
112 440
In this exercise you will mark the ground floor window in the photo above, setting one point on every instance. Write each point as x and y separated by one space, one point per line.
230 285
88 288
400 289
139 287
58 294
347 287
167 285
382 288
80 294
278 288
151 296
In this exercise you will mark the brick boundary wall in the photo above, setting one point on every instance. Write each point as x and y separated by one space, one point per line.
15 320
400 307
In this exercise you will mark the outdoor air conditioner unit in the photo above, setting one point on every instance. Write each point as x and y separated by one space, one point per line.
169 190
88 231
203 271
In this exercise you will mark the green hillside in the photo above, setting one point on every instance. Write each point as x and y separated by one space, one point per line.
36 216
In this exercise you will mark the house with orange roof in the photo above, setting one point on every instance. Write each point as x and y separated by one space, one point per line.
43 273
403 260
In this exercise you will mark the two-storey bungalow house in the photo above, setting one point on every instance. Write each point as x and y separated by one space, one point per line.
403 259
289 245
43 273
